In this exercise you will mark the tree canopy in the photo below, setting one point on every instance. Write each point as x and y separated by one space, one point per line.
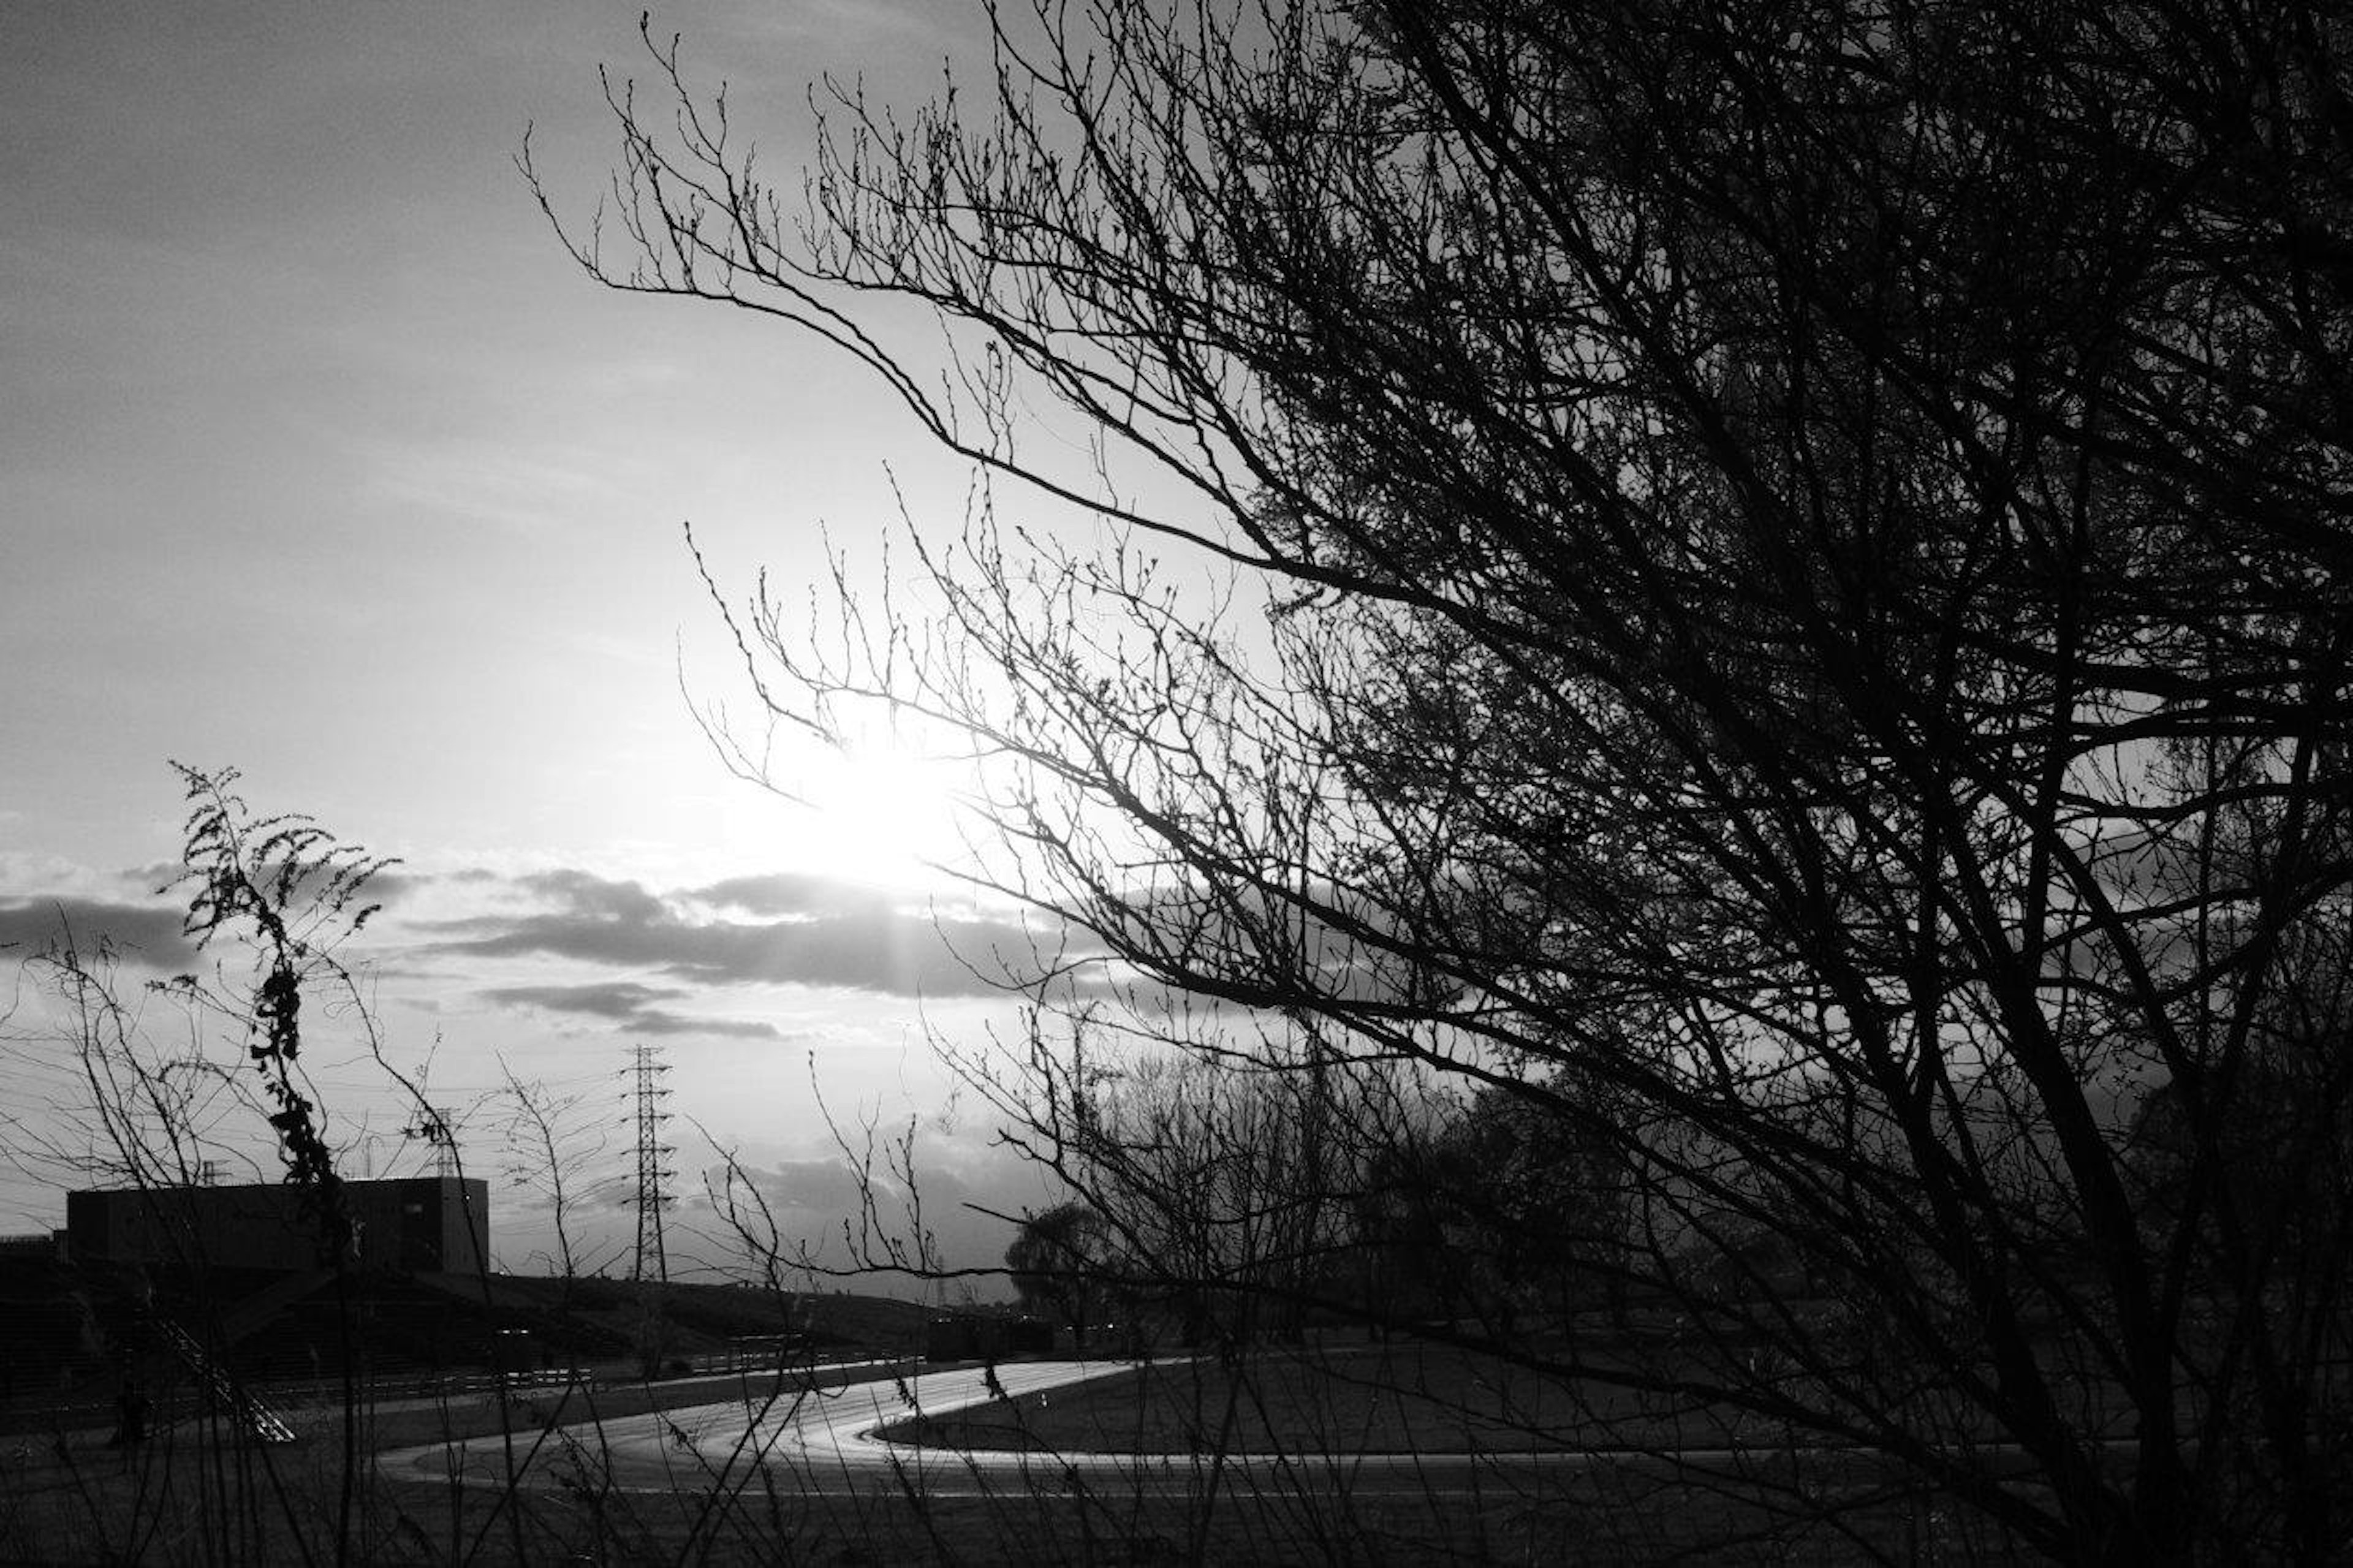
1791 614
1057 1262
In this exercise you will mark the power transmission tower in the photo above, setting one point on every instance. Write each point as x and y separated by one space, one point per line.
653 1154
432 1125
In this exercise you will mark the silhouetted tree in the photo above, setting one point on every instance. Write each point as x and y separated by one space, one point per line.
1803 554
1224 1184
1059 1261
1508 1209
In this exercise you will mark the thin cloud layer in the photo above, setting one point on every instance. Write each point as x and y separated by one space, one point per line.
629 1007
656 961
784 893
803 931
148 933
616 1000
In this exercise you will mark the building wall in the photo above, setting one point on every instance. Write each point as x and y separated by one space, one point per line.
429 1224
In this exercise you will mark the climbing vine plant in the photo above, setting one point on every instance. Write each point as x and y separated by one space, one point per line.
290 892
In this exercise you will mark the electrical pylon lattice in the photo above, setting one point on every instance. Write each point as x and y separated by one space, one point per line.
653 1159
432 1126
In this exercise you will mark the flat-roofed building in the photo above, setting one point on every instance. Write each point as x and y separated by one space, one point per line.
411 1225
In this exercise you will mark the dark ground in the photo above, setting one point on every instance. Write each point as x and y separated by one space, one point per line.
200 1491
197 1494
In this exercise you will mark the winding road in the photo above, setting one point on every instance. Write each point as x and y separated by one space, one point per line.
824 1435
825 1440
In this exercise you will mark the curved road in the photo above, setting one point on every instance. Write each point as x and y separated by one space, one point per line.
820 1434
825 1440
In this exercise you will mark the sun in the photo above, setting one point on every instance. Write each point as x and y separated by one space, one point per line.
878 811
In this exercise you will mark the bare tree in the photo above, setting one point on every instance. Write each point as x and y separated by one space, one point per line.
1803 560
550 1149
1224 1186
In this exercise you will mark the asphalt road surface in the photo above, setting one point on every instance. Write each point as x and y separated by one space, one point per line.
825 1441
825 1437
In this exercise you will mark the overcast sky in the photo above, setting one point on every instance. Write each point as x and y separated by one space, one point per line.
322 460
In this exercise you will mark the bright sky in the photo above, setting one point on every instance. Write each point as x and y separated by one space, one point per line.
319 459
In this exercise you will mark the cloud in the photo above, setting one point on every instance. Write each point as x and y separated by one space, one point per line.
392 887
629 1007
138 912
784 893
654 1021
584 893
806 931
614 999
149 933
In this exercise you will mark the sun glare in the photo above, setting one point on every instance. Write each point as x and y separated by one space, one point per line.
880 813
